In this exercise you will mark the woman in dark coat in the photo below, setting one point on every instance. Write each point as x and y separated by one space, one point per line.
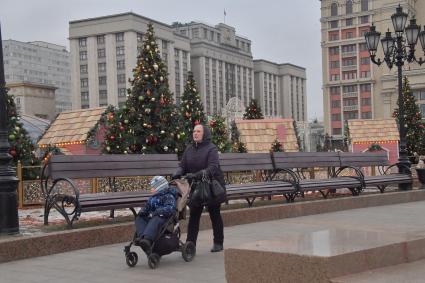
202 155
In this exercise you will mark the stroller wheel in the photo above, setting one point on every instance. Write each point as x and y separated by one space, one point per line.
188 251
153 260
131 259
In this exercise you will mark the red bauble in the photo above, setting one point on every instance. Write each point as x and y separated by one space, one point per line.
112 138
212 123
187 114
162 101
12 152
197 122
122 128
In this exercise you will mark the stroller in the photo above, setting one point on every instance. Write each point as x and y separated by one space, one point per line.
168 239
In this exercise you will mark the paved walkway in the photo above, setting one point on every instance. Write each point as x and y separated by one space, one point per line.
105 264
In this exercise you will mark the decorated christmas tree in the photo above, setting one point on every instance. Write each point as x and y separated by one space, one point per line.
253 111
277 146
149 121
191 108
412 121
219 133
297 135
237 145
346 141
21 147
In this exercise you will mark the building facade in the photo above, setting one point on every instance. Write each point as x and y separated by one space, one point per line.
39 63
281 90
222 64
34 99
354 87
104 52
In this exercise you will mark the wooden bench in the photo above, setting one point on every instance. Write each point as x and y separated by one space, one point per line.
380 160
294 163
63 170
262 164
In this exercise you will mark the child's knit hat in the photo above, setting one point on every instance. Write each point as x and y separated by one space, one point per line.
158 183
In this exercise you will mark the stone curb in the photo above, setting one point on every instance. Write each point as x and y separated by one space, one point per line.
23 247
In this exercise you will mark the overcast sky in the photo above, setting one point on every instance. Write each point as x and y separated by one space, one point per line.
282 31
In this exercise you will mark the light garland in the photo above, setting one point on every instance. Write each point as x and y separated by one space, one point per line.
379 142
63 144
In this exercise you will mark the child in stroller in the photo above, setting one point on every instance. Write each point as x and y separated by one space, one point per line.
157 224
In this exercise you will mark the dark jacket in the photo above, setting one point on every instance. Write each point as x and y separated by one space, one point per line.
161 204
199 156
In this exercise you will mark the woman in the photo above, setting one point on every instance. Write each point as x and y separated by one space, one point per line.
202 155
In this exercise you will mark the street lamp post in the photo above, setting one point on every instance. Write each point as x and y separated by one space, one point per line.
9 222
398 49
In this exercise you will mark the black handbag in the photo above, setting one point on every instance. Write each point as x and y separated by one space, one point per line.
200 193
218 193
207 191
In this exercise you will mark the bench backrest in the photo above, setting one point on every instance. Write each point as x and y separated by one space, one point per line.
364 159
112 165
233 162
305 159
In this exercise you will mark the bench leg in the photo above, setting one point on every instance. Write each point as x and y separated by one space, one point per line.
47 208
112 213
134 212
325 195
382 188
250 201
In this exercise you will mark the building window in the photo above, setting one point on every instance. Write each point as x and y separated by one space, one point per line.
363 47
102 80
334 50
101 53
184 54
82 42
83 69
121 92
349 22
120 64
365 61
335 77
139 37
334 9
351 115
364 19
364 5
121 78
120 50
365 74
365 101
349 35
336 117
336 103
333 36
365 88
334 64
83 55
103 94
334 90
333 24
84 95
349 7
101 67
119 37
336 131
101 39
349 75
367 115
349 61
195 33
84 82
349 88
348 48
